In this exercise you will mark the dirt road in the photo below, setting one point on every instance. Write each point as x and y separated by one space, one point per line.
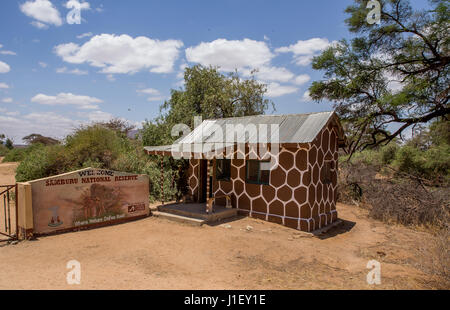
155 253
7 172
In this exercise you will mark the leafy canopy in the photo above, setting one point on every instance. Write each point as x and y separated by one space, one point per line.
395 72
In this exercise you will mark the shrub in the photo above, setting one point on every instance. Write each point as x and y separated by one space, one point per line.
409 160
3 150
401 200
99 147
437 161
137 161
95 144
18 154
42 161
432 164
388 153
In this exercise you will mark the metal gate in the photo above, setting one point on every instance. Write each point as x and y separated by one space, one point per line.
8 213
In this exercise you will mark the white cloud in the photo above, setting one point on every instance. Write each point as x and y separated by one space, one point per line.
7 100
19 127
49 124
154 94
4 86
75 71
158 98
231 54
82 102
277 90
8 53
148 91
43 11
305 50
39 25
43 64
279 74
84 35
4 67
306 97
99 116
179 84
182 67
122 54
302 79
394 82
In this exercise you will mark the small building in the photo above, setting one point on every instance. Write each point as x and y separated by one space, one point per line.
279 168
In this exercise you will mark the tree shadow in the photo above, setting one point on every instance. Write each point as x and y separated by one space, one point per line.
342 228
226 220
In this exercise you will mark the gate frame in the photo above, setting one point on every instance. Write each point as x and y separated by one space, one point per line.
16 205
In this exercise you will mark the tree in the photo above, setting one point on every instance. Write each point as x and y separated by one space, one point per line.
2 137
119 125
9 144
37 138
394 73
209 94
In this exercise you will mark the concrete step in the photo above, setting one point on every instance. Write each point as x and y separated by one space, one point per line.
179 218
197 210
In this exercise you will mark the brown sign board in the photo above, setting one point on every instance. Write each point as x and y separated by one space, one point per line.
87 197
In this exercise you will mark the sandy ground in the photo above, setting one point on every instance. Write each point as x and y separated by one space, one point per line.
154 253
7 172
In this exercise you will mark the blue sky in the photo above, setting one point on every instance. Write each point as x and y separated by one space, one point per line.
125 56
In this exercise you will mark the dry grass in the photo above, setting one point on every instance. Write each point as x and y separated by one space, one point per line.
403 201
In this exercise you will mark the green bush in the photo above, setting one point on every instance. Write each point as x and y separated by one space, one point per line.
431 163
368 157
388 153
43 161
438 160
95 145
98 147
92 146
3 150
18 154
137 161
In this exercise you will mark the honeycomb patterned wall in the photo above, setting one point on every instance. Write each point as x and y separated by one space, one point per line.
296 196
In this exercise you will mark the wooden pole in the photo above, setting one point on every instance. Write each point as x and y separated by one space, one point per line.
207 179
162 179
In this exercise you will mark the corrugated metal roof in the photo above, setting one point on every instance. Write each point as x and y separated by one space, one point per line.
293 128
290 128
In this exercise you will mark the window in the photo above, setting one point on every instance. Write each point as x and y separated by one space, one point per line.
328 172
223 168
257 172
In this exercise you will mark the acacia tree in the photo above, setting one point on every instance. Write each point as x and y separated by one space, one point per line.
394 72
35 138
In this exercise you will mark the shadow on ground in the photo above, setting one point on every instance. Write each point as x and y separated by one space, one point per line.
342 228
